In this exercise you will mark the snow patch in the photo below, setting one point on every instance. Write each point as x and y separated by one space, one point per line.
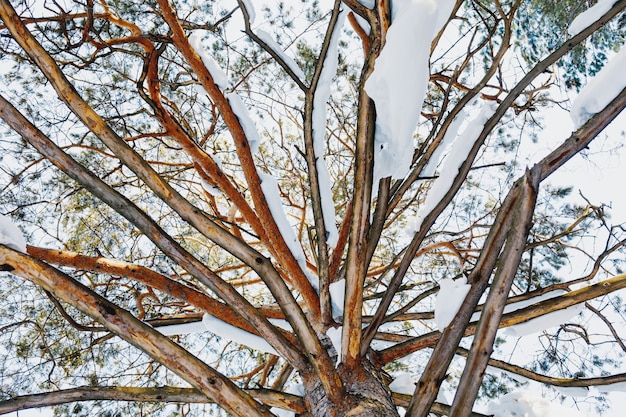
601 90
616 387
337 293
334 334
589 16
181 329
527 404
449 299
10 235
403 384
581 392
235 334
399 82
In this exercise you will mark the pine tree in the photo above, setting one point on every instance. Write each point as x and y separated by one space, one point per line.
253 210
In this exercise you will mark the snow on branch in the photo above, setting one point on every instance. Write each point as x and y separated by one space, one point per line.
274 46
240 109
235 334
320 100
218 74
249 9
10 235
399 82
543 322
601 90
450 165
589 16
525 403
272 195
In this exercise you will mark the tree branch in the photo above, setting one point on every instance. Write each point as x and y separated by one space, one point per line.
119 321
152 230
270 398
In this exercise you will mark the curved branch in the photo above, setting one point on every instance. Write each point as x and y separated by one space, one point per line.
268 397
557 382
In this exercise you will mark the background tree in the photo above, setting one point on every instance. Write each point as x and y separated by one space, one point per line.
227 205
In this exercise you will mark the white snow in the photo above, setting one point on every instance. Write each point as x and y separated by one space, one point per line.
452 162
449 299
616 387
399 82
320 100
403 384
439 154
214 191
337 293
235 334
582 392
219 77
334 335
527 404
269 41
544 322
272 195
10 235
589 16
250 9
180 329
601 90
246 121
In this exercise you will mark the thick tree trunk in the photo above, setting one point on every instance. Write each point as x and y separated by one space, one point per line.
366 395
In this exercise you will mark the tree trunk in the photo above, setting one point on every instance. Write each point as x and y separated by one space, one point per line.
366 395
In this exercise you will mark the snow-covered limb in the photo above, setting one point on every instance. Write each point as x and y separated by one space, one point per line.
589 16
10 235
539 323
219 77
448 139
399 82
601 90
274 46
544 322
450 165
247 4
240 109
272 195
320 100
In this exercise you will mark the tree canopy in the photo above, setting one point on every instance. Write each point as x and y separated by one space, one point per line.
306 208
